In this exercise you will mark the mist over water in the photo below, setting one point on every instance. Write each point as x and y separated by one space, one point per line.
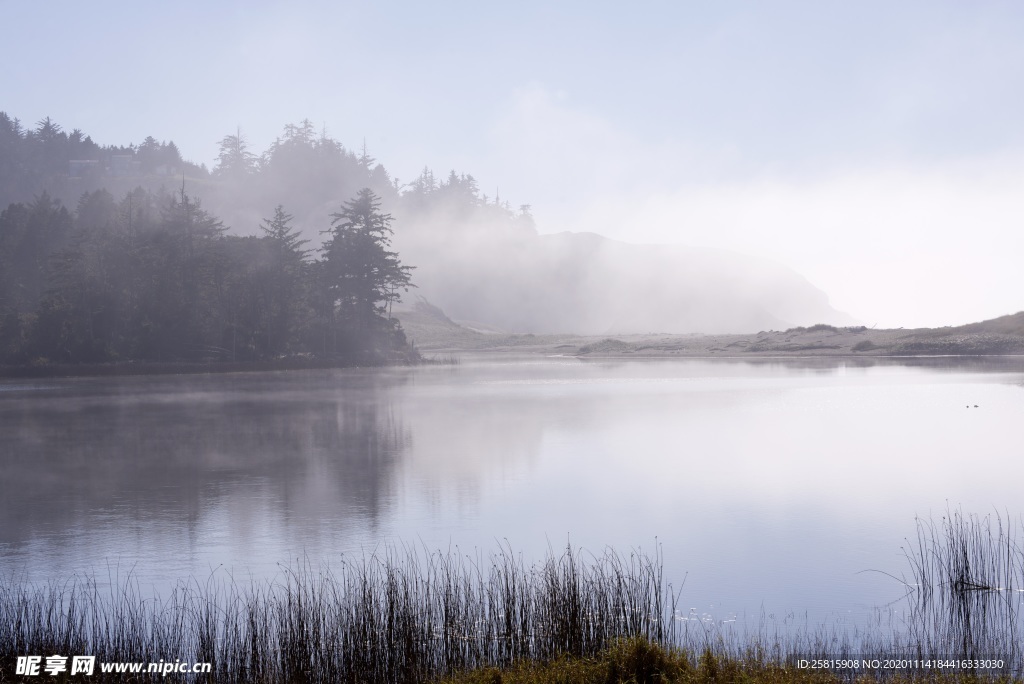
265 195
768 486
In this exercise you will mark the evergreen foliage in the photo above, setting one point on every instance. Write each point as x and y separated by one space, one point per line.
156 278
140 272
64 165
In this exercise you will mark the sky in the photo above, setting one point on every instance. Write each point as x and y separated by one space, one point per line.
877 148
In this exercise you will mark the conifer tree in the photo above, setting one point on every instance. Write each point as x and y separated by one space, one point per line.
284 280
362 277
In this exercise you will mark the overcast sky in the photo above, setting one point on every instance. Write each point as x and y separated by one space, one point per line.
875 147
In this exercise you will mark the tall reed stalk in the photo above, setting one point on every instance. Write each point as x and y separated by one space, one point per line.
413 616
400 616
967 586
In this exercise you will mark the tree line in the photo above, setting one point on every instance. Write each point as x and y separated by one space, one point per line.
37 160
155 277
304 169
134 270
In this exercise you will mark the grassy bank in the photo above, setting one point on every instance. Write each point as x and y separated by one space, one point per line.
638 661
408 616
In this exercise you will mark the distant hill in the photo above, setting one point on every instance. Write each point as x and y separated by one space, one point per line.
587 284
1003 335
1004 325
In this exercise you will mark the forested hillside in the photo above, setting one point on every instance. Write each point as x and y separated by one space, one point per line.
151 275
116 253
46 158
131 253
306 170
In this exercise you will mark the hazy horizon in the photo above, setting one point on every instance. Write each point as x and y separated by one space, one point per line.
874 149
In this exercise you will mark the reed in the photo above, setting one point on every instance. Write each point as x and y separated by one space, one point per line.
967 585
410 615
399 616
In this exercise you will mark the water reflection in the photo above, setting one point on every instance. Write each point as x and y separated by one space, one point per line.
166 449
770 483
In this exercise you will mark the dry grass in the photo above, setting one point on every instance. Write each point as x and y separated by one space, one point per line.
636 661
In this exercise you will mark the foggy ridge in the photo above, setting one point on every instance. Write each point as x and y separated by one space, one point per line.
587 284
477 257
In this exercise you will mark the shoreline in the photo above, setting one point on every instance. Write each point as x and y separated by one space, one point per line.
140 368
435 333
432 334
772 345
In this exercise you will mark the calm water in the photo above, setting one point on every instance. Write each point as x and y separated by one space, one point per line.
769 486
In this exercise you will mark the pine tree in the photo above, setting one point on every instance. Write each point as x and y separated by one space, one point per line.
284 279
234 160
362 278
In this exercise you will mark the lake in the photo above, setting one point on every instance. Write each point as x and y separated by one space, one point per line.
777 488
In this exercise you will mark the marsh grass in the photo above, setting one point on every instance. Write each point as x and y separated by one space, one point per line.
408 615
967 586
393 617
